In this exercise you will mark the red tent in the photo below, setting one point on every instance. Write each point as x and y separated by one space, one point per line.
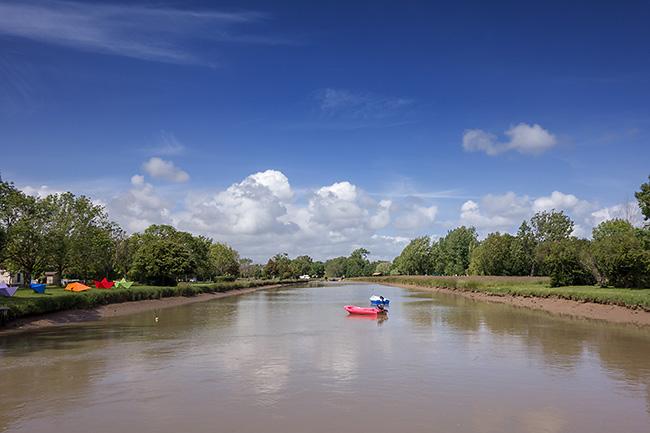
104 284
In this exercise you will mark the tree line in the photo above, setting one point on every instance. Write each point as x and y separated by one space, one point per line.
73 236
617 255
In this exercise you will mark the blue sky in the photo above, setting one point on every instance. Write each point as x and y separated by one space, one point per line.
321 127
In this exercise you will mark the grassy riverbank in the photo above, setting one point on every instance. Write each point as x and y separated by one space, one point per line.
27 303
526 286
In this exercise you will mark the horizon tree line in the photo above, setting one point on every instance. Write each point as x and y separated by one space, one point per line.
74 237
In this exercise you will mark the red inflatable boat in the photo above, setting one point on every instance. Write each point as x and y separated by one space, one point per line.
364 310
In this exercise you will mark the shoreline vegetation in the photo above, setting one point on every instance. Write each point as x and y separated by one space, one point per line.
623 306
28 310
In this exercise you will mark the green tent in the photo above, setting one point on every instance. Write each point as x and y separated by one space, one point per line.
122 284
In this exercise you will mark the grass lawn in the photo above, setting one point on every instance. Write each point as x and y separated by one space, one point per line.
26 302
529 286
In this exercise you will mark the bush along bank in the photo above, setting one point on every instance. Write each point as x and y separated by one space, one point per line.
27 303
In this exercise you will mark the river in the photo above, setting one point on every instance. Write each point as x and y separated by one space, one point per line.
292 360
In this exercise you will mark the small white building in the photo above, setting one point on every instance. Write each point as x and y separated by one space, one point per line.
52 278
16 279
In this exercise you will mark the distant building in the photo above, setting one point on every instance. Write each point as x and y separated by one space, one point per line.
52 278
16 279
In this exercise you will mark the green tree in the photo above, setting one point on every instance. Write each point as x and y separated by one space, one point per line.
620 254
10 206
163 255
248 269
225 260
455 249
383 268
358 264
125 247
303 264
82 237
416 257
643 197
493 256
551 226
279 266
163 261
318 269
26 221
199 247
61 254
564 263
548 227
336 268
104 244
523 250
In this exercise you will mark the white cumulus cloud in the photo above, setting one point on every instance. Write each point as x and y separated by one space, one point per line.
505 213
140 207
523 138
565 202
263 215
161 169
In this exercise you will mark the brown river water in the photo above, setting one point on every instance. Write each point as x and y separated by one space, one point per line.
293 360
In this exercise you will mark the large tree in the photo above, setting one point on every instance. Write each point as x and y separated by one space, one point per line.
523 251
564 263
493 256
163 255
455 249
551 226
547 228
417 257
82 237
336 268
280 266
303 264
225 260
620 254
358 264
643 197
26 222
125 247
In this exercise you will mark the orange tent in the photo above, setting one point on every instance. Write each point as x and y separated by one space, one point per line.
76 287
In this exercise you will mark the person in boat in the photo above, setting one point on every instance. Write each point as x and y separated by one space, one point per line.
380 306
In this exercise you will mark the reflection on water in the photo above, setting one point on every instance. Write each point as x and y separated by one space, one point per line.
290 359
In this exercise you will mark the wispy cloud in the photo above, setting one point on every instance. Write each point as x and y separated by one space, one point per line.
168 144
132 30
353 109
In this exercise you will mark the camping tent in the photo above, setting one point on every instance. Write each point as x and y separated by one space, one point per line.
103 284
76 287
123 284
38 288
6 290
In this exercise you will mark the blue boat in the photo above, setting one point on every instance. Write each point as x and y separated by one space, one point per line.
376 300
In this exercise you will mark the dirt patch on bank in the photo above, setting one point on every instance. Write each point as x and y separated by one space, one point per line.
567 307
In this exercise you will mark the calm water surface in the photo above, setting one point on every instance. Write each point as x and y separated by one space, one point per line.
292 360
